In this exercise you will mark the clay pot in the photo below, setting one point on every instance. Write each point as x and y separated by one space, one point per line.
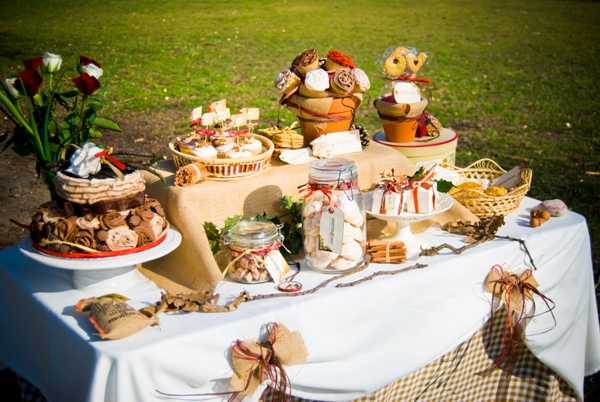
400 120
320 116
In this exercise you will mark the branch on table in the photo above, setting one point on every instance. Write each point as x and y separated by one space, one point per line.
380 273
523 246
312 290
435 250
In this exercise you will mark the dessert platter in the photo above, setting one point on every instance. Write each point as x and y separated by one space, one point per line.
223 143
403 200
101 222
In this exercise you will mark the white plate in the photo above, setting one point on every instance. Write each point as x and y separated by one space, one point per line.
170 243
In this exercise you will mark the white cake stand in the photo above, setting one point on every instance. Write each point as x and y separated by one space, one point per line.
103 271
398 226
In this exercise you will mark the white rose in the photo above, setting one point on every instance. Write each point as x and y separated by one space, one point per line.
92 70
317 80
84 161
9 84
52 62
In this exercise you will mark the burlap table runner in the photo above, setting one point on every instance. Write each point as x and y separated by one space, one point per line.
463 375
192 263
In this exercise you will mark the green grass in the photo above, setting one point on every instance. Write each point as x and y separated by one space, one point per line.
519 80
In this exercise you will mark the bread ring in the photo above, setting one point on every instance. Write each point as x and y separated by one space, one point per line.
415 62
395 64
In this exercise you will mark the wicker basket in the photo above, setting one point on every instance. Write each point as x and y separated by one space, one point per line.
482 204
224 168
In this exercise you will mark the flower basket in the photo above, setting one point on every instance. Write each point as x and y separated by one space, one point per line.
320 116
400 120
484 205
225 168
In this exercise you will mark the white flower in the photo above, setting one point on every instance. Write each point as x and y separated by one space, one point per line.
84 161
52 62
9 84
93 70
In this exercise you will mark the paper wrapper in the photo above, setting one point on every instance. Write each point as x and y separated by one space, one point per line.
399 119
319 116
192 264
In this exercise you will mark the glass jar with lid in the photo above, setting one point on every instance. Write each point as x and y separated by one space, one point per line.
333 218
251 244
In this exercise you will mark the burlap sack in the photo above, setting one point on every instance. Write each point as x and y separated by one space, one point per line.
114 318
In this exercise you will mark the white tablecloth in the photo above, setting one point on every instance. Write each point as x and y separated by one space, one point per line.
359 338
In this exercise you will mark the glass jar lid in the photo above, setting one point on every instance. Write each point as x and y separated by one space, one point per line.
334 170
252 234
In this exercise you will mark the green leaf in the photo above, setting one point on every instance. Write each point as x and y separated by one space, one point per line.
95 133
69 94
107 124
214 236
230 222
443 186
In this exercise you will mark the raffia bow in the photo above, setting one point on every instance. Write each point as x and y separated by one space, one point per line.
254 362
515 292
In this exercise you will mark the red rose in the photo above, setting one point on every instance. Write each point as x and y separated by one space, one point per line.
86 83
33 64
84 61
32 81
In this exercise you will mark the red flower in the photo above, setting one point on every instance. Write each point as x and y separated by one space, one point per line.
32 81
341 58
84 61
86 83
33 64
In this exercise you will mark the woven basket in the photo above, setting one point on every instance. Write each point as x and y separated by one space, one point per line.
224 168
484 205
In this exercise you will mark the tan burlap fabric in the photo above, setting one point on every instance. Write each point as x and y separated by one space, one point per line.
462 375
192 264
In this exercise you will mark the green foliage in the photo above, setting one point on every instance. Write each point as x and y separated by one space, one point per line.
290 222
443 186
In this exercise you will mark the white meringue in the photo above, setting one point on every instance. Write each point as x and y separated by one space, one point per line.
317 80
406 92
362 80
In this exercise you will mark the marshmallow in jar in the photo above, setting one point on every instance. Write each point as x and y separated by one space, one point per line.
333 218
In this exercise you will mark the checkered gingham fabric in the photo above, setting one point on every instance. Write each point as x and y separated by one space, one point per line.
468 374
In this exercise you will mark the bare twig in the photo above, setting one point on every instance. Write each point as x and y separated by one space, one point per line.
380 273
312 290
435 250
523 247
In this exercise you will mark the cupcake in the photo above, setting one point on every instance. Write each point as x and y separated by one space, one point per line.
336 60
205 150
343 82
306 61
238 153
253 146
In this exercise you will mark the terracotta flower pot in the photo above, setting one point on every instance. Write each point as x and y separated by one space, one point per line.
320 116
400 121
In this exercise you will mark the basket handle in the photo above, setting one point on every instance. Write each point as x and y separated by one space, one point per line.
482 162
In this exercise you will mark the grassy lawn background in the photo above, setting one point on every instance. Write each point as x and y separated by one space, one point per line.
517 80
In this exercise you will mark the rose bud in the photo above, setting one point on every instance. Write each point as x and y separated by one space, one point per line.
11 88
32 80
52 62
90 67
86 83
33 64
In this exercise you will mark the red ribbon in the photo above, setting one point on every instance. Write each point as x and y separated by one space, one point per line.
420 80
206 132
106 155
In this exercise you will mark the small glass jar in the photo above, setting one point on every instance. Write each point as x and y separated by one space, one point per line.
248 243
332 190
